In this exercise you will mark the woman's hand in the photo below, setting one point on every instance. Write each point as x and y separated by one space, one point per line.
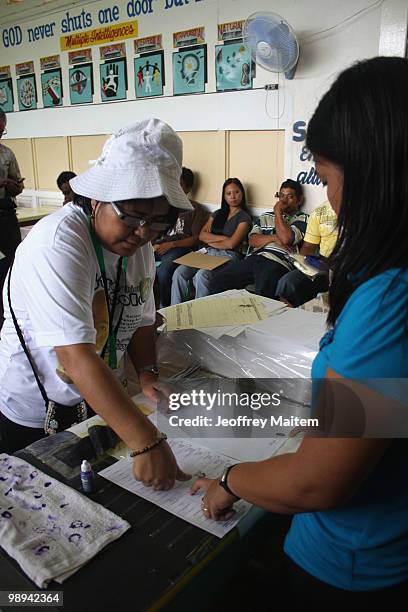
154 390
216 503
158 468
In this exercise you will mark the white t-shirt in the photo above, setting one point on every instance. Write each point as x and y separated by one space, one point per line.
58 298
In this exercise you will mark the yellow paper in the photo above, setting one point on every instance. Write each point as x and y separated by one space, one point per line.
106 34
215 312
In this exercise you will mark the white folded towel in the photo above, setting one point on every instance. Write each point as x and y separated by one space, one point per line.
50 529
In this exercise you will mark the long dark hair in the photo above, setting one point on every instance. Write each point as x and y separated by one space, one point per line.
221 215
361 125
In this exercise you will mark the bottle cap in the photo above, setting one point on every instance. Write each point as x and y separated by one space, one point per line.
85 466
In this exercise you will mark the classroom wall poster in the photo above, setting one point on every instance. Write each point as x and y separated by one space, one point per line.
27 92
113 80
81 87
190 70
51 85
233 67
149 74
6 95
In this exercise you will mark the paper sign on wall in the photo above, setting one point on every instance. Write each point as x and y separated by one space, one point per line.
51 61
24 68
231 30
112 51
99 36
186 38
80 56
148 43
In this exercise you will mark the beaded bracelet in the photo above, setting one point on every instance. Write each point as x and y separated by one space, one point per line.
160 438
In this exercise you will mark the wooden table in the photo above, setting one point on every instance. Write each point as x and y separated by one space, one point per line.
30 215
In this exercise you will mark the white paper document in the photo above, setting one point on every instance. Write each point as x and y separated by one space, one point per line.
178 501
216 331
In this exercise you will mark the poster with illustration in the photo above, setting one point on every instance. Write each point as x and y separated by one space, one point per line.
113 80
233 66
81 87
6 95
190 70
149 74
51 85
27 92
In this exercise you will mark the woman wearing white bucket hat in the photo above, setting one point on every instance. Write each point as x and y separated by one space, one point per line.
81 289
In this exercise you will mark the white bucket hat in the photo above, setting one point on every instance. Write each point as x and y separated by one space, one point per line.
142 160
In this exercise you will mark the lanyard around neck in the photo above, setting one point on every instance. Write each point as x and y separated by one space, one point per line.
110 344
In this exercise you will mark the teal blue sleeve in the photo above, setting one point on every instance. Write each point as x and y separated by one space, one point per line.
371 335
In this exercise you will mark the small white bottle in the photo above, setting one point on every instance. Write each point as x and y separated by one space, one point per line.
87 476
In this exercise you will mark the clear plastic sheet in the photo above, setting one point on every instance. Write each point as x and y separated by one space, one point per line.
282 346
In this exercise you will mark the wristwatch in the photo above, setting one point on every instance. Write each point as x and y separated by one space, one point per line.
223 482
149 368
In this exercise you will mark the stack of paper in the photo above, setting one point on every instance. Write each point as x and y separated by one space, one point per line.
227 313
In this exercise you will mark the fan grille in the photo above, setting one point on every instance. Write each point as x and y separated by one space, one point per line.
272 42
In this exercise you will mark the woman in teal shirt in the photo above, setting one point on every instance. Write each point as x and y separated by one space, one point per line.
349 536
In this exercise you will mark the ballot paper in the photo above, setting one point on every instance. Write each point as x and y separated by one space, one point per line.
272 307
178 501
215 312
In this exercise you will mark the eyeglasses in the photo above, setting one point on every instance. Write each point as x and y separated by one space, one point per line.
3 133
285 196
155 224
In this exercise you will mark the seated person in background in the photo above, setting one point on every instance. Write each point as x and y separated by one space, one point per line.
64 186
275 235
223 234
181 238
295 288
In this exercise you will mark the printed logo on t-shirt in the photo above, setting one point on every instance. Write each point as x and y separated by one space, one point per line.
178 228
145 286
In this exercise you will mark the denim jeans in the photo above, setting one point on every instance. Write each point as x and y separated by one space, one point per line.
165 272
201 279
258 270
298 288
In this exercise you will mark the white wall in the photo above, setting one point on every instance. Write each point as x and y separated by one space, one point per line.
323 55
